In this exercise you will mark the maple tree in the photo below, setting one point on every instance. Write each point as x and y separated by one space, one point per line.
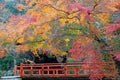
83 29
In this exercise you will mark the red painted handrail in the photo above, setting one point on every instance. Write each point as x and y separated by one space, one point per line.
106 69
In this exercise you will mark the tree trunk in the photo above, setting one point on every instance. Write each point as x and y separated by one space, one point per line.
14 61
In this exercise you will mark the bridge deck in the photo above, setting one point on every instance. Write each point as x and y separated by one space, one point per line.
10 78
106 69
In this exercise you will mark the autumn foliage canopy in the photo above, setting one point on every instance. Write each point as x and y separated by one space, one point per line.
64 27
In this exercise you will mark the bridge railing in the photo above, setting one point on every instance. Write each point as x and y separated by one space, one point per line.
106 69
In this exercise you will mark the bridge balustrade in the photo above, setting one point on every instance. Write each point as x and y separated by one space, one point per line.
106 69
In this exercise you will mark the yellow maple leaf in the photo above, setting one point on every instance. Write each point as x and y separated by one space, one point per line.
21 40
25 47
67 39
30 38
48 13
44 28
9 39
112 6
44 36
22 48
103 17
82 18
63 53
63 21
2 34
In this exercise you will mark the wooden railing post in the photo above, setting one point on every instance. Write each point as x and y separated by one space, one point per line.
42 72
115 70
31 70
21 69
102 69
84 67
48 69
15 70
65 69
76 71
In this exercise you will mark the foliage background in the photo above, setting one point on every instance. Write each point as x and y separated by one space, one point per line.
81 30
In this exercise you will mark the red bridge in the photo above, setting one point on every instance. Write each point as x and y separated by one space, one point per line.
103 69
